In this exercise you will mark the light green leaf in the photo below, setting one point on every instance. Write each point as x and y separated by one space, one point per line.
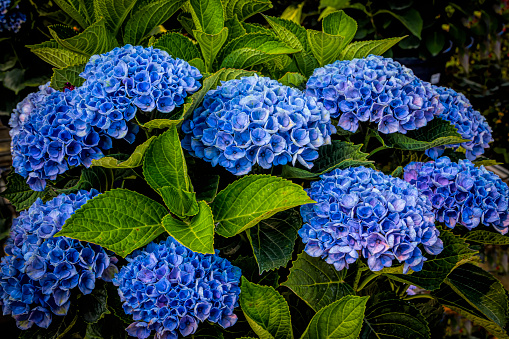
306 62
196 234
248 200
115 12
198 63
292 34
293 13
293 79
388 316
210 44
412 20
266 311
398 172
119 220
235 28
481 290
19 193
164 163
437 132
181 203
208 15
340 320
317 282
339 154
160 123
56 55
178 46
325 47
257 28
70 74
247 57
151 15
361 49
273 239
437 268
245 8
95 39
69 7
135 160
328 10
486 237
338 23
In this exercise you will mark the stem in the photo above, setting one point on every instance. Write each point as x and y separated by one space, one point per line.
366 281
381 148
366 141
417 296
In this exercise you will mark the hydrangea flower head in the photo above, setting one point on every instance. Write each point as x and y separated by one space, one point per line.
169 289
134 76
39 270
462 193
256 120
362 210
10 21
374 89
456 108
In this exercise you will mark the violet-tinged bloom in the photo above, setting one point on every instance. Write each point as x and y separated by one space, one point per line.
10 20
374 89
257 120
39 270
170 289
363 210
456 108
462 193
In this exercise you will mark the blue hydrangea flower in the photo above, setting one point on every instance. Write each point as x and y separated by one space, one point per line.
374 89
456 108
363 210
10 21
39 270
169 289
256 120
132 76
462 193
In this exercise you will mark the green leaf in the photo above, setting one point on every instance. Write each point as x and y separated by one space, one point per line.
486 237
160 123
398 172
412 20
481 290
115 12
273 239
135 160
181 203
388 316
256 28
68 6
449 298
437 132
119 220
486 162
235 28
210 44
437 268
247 57
208 15
19 193
248 200
339 154
94 306
291 33
338 23
198 63
208 186
99 178
245 8
196 234
95 39
293 79
164 163
325 47
151 15
435 43
317 282
56 55
341 319
293 13
70 74
361 49
306 62
266 311
178 46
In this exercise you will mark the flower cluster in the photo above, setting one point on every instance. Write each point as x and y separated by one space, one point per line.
462 193
10 21
167 287
256 120
148 78
455 108
374 89
39 271
360 209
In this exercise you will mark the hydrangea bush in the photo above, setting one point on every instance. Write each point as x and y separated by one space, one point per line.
274 183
